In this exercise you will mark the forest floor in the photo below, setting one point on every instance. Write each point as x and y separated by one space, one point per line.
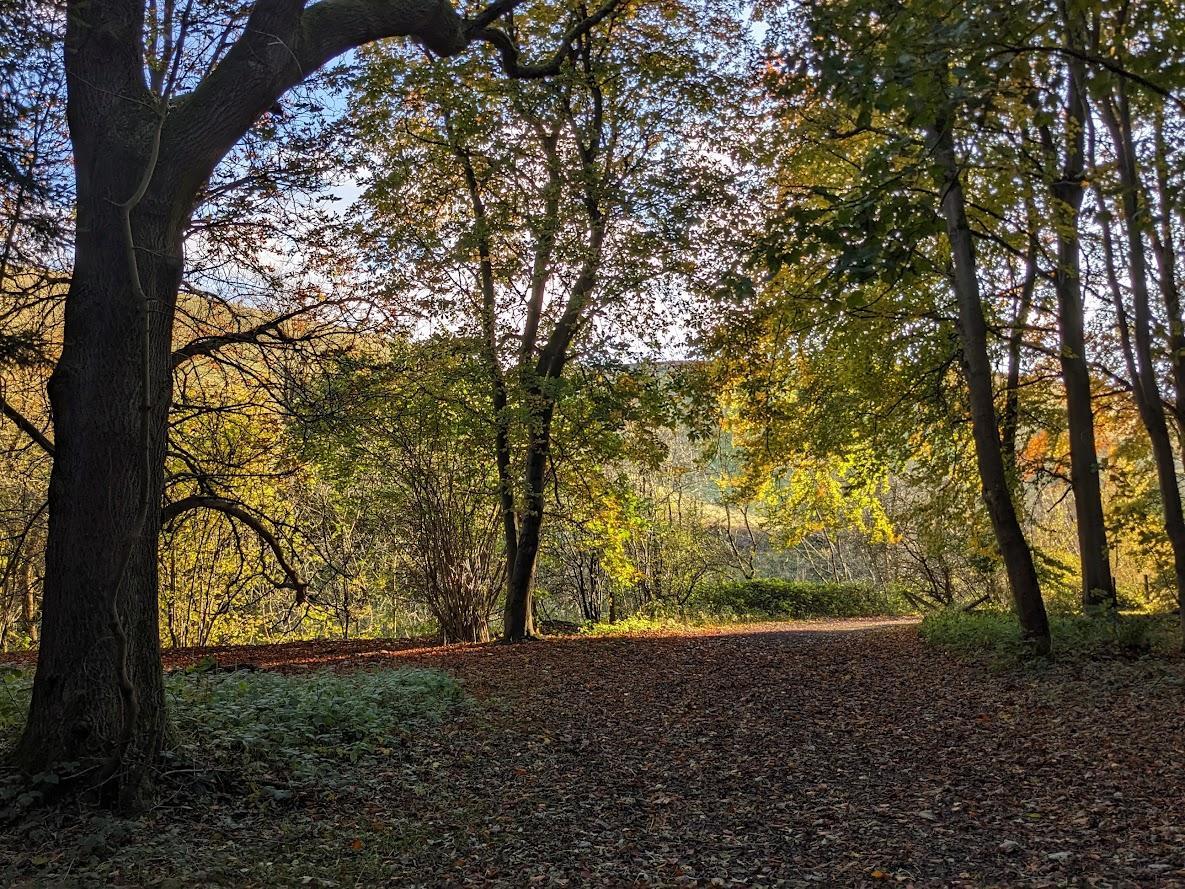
837 753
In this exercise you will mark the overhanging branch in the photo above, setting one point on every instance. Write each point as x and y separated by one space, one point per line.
1099 62
208 345
237 510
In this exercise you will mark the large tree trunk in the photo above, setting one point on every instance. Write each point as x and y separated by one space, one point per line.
98 698
98 694
1018 559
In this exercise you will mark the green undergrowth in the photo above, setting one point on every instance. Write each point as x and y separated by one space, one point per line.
763 599
299 727
995 635
771 598
269 735
645 623
263 782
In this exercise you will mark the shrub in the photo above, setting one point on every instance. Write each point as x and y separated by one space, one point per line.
978 632
997 634
774 598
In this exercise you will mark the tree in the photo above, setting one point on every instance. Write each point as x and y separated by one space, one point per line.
580 201
1129 93
1018 559
148 126
1067 188
891 88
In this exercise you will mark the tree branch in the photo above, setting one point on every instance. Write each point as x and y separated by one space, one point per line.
207 345
283 43
1098 61
237 510
26 426
509 53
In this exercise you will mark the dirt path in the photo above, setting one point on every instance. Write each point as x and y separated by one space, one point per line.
824 754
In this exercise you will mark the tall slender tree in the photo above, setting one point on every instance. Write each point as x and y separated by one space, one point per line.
1067 187
997 493
581 197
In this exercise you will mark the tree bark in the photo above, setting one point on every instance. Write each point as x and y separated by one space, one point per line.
98 690
1018 559
1010 417
541 397
499 397
519 615
1098 584
98 693
1165 251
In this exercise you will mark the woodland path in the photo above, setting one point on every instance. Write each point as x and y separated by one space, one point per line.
836 753
828 753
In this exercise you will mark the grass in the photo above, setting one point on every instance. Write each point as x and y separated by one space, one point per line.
642 623
996 635
760 600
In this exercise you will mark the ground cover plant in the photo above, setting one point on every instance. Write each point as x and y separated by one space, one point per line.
997 634
251 738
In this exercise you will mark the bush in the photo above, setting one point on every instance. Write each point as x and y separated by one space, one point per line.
978 632
997 634
774 598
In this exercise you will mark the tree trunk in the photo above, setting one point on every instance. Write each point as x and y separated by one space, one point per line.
519 622
519 617
24 581
1010 419
98 695
1147 388
1098 585
1165 251
1018 560
464 627
140 156
97 708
